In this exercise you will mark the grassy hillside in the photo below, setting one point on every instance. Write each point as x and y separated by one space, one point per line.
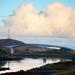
34 50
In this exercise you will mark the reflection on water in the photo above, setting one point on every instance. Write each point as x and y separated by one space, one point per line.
27 63
2 63
44 60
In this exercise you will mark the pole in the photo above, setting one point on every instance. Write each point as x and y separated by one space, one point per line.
8 33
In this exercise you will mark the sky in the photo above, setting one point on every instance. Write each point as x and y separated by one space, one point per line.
9 6
25 16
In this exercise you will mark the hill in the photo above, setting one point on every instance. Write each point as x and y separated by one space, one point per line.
8 42
41 50
5 45
34 50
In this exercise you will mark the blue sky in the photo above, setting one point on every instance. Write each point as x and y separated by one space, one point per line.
9 6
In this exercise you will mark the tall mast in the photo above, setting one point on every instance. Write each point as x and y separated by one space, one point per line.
8 32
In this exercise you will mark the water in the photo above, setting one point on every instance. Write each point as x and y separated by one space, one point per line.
53 40
27 64
58 41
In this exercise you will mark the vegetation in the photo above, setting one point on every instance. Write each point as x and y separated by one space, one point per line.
4 54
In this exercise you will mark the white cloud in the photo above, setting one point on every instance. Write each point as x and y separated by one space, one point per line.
58 20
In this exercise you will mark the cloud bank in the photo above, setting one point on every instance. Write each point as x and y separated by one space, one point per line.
56 21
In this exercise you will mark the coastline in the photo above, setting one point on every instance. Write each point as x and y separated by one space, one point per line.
63 68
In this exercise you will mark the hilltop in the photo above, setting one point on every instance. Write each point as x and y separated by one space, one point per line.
5 44
10 42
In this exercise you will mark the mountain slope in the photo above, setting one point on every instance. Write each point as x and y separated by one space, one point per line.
10 42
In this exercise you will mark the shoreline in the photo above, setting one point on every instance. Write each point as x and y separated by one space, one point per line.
63 69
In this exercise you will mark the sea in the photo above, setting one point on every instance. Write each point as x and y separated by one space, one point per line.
56 41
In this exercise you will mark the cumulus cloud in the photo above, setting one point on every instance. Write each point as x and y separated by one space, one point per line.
28 21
